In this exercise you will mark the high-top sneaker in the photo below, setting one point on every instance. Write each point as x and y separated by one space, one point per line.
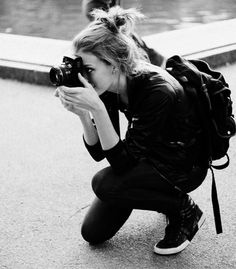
181 229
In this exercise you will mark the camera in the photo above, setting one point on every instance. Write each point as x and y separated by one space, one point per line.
67 73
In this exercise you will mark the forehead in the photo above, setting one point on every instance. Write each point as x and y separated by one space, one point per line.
88 58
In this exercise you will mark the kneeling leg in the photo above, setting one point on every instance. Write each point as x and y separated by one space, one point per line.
103 221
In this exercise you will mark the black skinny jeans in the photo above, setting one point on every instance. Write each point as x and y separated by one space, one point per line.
142 187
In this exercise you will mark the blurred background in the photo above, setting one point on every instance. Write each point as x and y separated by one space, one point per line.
62 19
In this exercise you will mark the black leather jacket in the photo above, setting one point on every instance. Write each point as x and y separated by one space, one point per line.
161 126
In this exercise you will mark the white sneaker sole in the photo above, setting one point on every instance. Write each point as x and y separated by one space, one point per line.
171 251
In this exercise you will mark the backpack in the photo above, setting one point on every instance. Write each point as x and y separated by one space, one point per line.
215 111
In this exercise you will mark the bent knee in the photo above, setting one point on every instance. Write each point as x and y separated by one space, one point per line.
91 235
102 182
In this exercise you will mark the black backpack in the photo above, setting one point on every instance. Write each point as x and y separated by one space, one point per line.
215 112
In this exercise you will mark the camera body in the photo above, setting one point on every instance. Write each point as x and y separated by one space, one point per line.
66 74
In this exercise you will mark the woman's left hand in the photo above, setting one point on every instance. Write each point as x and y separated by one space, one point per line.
79 99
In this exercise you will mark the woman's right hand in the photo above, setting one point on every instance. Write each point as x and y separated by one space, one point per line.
79 99
70 106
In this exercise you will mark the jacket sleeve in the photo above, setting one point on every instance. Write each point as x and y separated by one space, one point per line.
110 101
95 151
120 158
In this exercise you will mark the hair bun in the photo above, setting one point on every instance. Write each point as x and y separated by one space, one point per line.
111 26
116 17
120 21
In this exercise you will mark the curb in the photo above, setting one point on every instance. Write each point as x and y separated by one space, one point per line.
34 74
216 57
29 59
39 74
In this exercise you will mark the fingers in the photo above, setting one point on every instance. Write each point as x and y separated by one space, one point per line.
64 97
68 96
84 81
56 93
68 90
67 104
69 101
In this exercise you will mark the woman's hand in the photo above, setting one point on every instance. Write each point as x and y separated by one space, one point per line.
67 104
79 100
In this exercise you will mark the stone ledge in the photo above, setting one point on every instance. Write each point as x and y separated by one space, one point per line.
216 57
25 72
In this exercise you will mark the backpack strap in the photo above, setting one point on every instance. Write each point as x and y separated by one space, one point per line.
215 203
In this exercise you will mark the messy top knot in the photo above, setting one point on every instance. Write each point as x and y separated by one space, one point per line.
109 37
117 19
114 27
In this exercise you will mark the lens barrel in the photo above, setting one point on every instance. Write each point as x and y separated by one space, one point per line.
56 76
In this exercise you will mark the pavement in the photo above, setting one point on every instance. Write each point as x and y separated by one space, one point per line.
45 179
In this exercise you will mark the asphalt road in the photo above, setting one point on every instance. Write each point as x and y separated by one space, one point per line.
45 191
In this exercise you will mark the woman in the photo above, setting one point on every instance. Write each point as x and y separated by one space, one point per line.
158 162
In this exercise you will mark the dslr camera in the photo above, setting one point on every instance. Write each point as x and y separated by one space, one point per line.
66 74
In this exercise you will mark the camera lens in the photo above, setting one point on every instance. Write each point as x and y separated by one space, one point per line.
56 76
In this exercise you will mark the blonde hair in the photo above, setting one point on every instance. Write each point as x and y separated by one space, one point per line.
109 37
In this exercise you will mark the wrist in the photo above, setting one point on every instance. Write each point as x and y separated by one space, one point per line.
100 107
84 116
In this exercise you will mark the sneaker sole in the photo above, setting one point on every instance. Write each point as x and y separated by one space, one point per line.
171 251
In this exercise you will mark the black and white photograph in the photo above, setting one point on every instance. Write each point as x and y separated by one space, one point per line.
117 134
